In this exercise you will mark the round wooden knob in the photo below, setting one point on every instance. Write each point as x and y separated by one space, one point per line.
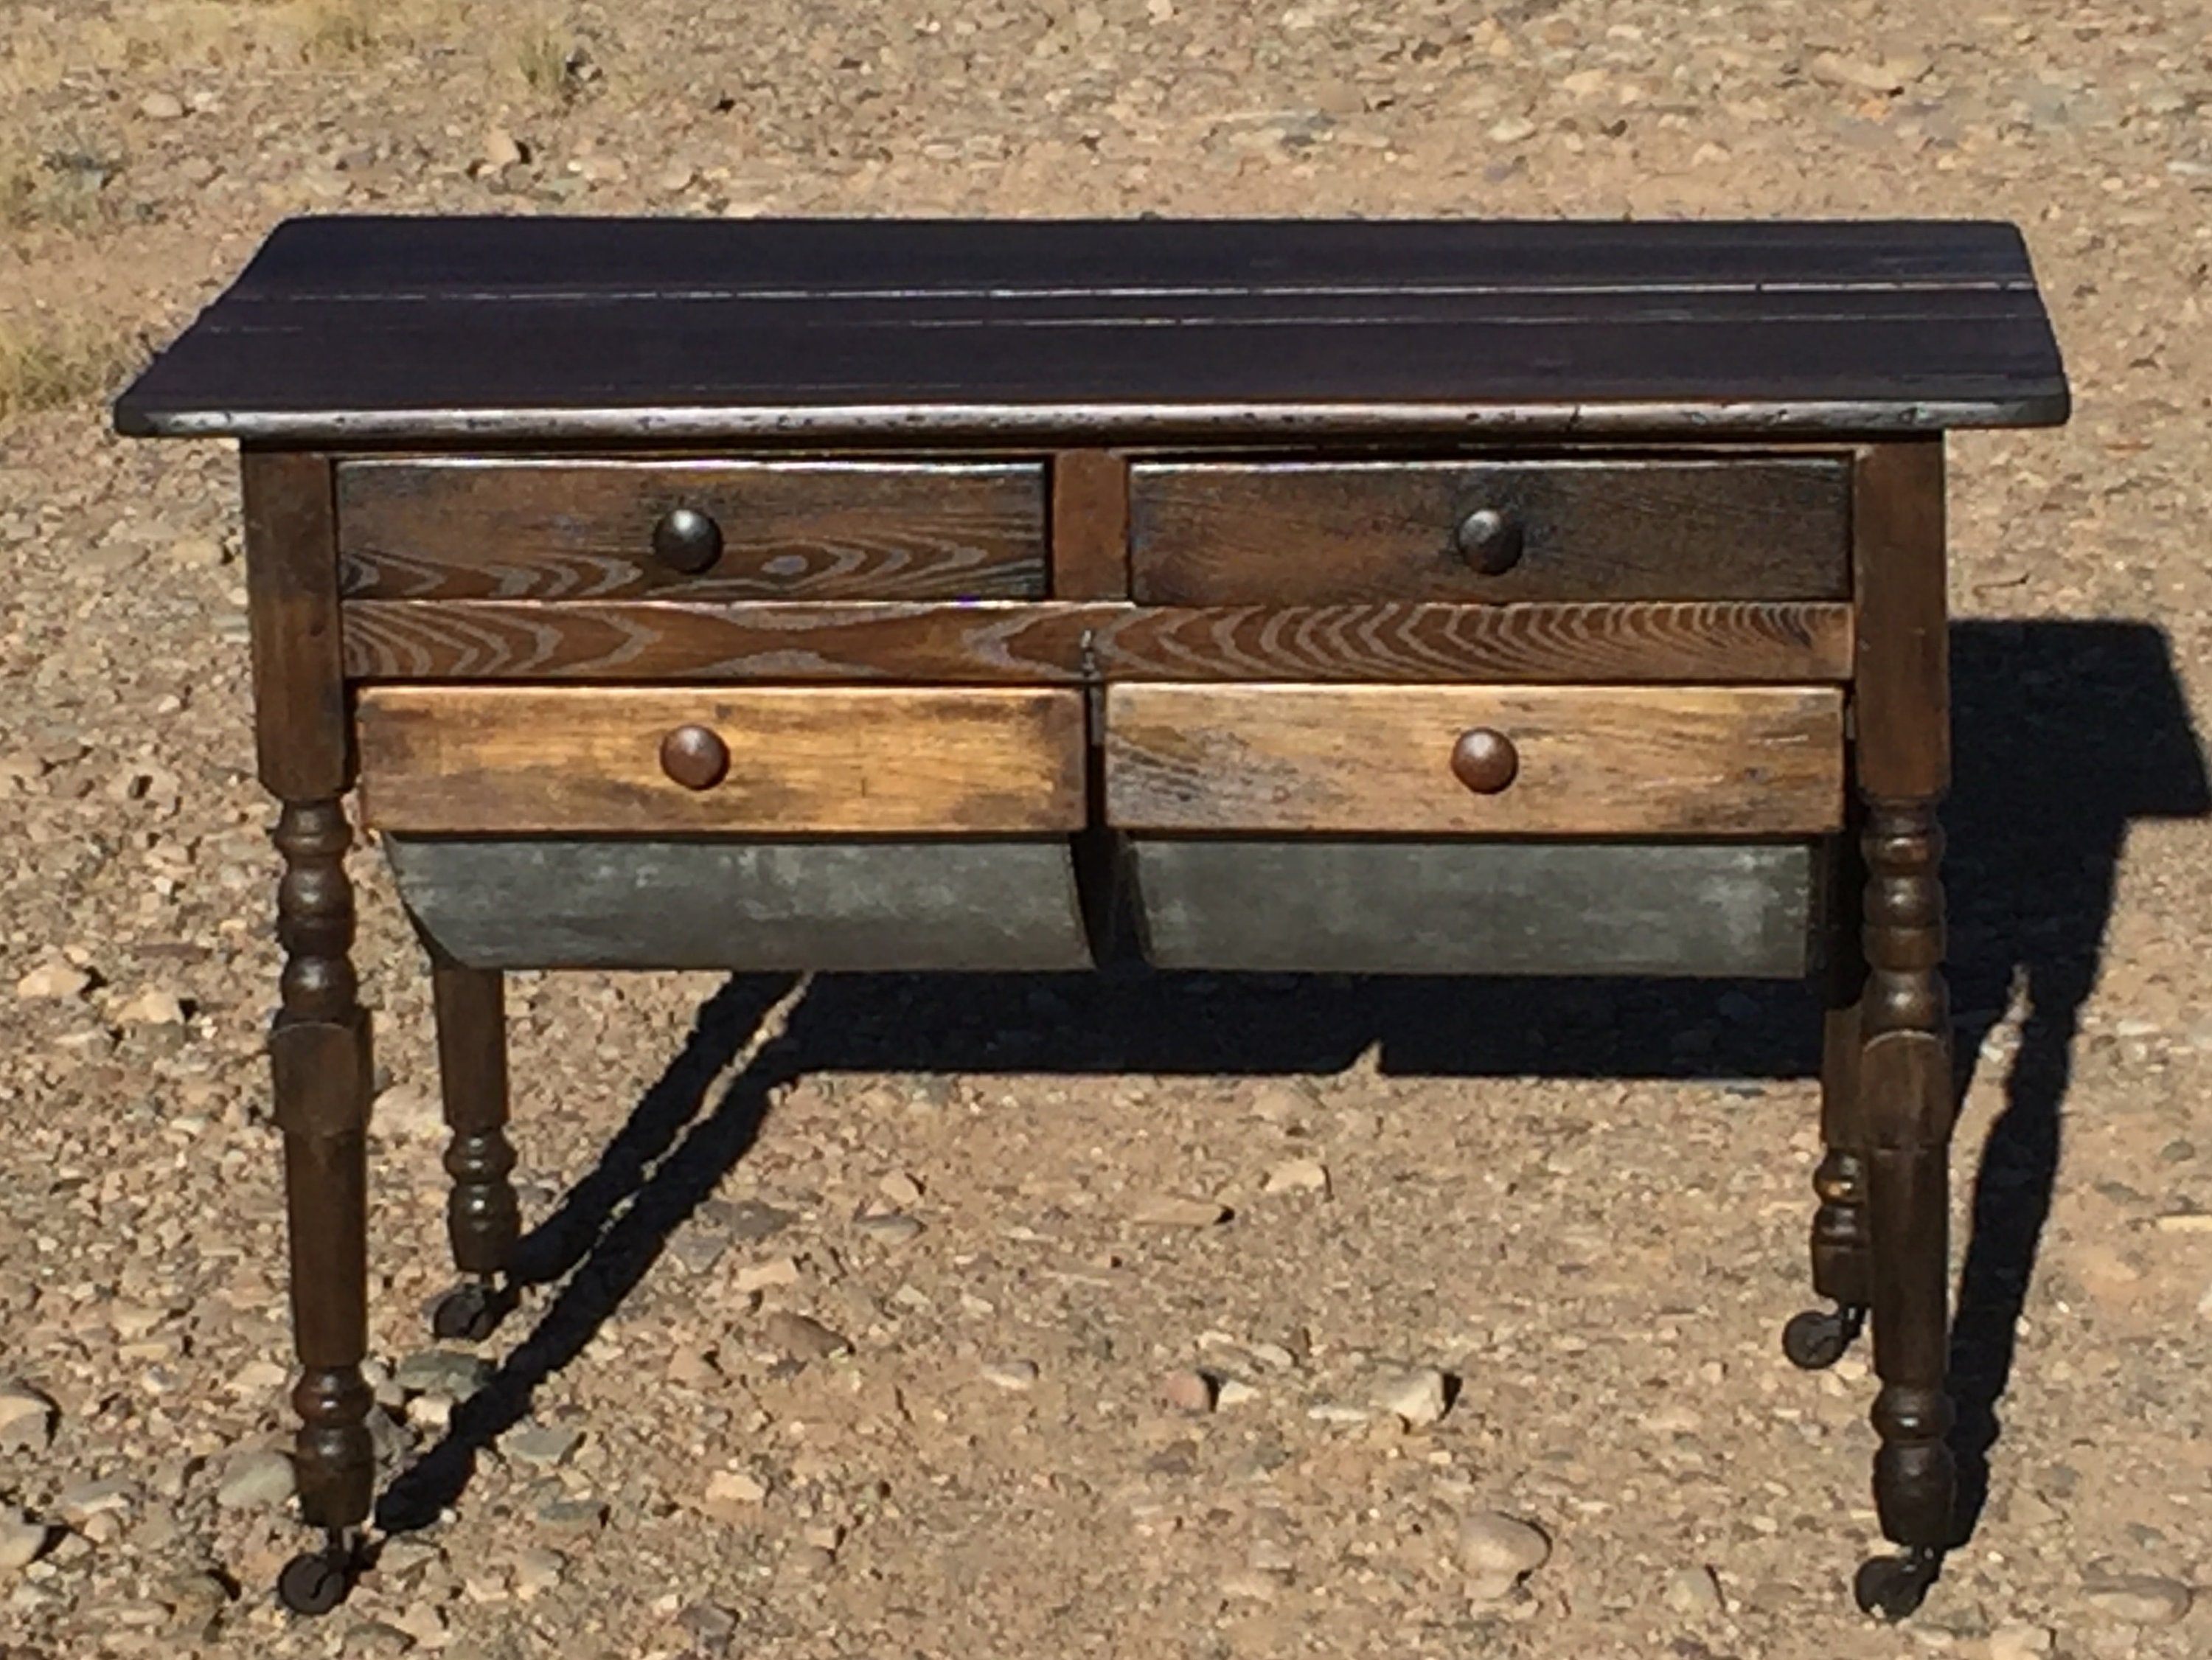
1485 760
687 540
1489 539
695 758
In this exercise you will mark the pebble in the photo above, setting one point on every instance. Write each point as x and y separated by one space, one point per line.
1417 1396
1167 1210
53 980
106 1497
501 150
258 1479
2139 1599
1890 77
1497 1550
542 1446
1297 1176
1693 1592
161 107
892 1230
1187 1391
762 1276
1011 1374
675 180
443 1371
709 1626
1513 130
749 1221
1331 1412
731 1492
573 1515
408 1112
153 1006
1235 1392
2015 1642
801 1337
696 1251
536 1572
27 1421
899 1188
379 1639
22 1538
195 1602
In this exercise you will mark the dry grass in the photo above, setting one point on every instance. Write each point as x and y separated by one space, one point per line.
46 363
59 187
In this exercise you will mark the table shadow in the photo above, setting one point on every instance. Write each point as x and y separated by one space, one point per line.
2065 732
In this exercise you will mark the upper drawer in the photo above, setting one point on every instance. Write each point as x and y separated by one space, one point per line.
860 760
1208 533
1722 761
581 529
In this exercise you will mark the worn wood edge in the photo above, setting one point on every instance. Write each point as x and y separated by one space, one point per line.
295 625
1088 545
2042 406
1901 674
1666 642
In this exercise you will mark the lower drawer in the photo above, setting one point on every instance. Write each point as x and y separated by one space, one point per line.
632 902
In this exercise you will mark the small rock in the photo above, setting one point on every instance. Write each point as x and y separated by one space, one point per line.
53 980
708 1627
573 1515
1187 1391
198 551
1330 1412
696 1250
1693 1592
674 180
761 1276
1513 130
2139 1599
899 1188
1497 1550
161 107
749 1221
501 150
196 1601
80 1503
1253 1585
153 1006
1890 77
443 1371
536 1572
801 1337
542 1446
1280 1103
809 1561
1011 1374
732 1492
432 1411
1417 1396
2187 1221
408 1112
27 1421
1235 1392
2021 1642
889 1230
1298 1175
22 1539
1168 1210
260 1480
2027 1508
379 1639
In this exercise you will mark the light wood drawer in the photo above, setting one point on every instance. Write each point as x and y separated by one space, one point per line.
484 528
1223 533
828 761
1578 760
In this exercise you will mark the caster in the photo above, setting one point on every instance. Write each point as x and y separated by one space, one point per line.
469 1313
1816 1340
316 1582
1892 1587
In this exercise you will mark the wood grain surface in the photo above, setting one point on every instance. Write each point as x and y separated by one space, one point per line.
577 528
1594 761
1327 533
293 620
857 761
1090 525
491 639
1903 679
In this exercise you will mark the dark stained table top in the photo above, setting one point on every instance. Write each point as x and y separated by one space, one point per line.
531 329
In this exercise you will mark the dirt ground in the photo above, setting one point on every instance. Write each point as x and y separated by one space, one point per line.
1584 1205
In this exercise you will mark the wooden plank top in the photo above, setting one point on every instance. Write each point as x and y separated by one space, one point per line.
529 330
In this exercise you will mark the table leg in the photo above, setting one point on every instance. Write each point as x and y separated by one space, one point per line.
319 1054
1842 1246
483 1220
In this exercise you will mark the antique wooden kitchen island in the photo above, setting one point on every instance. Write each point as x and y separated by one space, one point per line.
1397 596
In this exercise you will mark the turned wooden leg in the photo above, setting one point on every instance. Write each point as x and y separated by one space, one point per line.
319 1051
1842 1246
483 1220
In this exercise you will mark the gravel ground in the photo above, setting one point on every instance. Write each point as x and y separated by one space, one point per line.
879 1335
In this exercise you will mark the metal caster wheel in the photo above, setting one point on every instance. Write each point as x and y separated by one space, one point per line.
1892 1587
468 1313
313 1583
1816 1340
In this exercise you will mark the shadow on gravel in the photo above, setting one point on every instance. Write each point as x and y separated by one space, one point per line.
2065 733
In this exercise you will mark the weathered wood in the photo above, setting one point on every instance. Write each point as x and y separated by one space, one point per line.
897 331
1593 760
579 528
828 761
320 1060
1843 1243
745 904
1375 906
1580 644
483 1218
1609 528
292 619
1090 525
1901 693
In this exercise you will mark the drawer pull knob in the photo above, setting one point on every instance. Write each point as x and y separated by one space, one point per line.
1490 540
687 540
1485 760
695 758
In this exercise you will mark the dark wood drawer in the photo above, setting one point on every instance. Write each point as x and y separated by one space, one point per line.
1607 761
1212 533
576 529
